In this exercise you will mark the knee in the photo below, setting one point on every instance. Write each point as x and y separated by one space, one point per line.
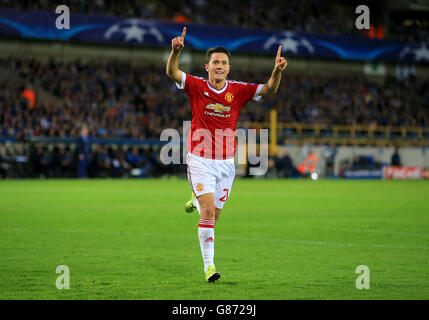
207 211
217 213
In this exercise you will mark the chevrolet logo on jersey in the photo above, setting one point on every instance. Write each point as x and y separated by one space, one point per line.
218 107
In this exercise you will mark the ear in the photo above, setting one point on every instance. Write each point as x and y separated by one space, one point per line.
207 67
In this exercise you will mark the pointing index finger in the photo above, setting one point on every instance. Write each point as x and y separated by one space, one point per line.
183 32
279 51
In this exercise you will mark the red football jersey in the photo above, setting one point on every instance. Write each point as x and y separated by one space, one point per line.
215 114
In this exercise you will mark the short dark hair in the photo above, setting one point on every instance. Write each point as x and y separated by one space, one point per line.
217 49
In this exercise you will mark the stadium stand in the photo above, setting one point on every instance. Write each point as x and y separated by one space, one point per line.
123 101
50 98
312 16
118 100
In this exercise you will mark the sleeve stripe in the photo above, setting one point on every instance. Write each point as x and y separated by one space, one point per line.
182 85
256 96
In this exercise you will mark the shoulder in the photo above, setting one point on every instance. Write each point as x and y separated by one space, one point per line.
248 89
189 81
238 83
196 80
241 85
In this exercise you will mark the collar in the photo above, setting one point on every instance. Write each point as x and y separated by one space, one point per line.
215 90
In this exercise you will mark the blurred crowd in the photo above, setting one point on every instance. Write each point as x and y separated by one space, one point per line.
104 161
117 100
313 16
43 160
354 100
114 99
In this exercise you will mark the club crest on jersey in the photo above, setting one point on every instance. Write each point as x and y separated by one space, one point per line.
229 97
199 187
218 107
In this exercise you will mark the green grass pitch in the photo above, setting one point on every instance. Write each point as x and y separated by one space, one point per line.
276 239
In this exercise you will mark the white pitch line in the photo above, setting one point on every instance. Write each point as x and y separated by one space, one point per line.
307 242
396 233
325 243
356 230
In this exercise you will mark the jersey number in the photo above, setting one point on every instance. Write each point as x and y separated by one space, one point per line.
225 197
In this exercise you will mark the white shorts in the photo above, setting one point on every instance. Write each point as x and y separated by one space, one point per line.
211 176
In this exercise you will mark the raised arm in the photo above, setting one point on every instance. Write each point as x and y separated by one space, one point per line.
273 83
172 69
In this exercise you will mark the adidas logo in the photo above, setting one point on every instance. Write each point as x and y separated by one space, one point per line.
209 239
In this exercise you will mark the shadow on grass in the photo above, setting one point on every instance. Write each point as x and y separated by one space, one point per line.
228 283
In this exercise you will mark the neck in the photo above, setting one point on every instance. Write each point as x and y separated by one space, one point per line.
217 84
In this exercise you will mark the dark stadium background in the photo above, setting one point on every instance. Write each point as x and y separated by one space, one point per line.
353 113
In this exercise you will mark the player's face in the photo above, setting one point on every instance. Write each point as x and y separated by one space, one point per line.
218 66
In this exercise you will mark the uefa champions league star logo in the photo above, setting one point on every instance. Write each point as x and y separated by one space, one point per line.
133 30
418 52
289 42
